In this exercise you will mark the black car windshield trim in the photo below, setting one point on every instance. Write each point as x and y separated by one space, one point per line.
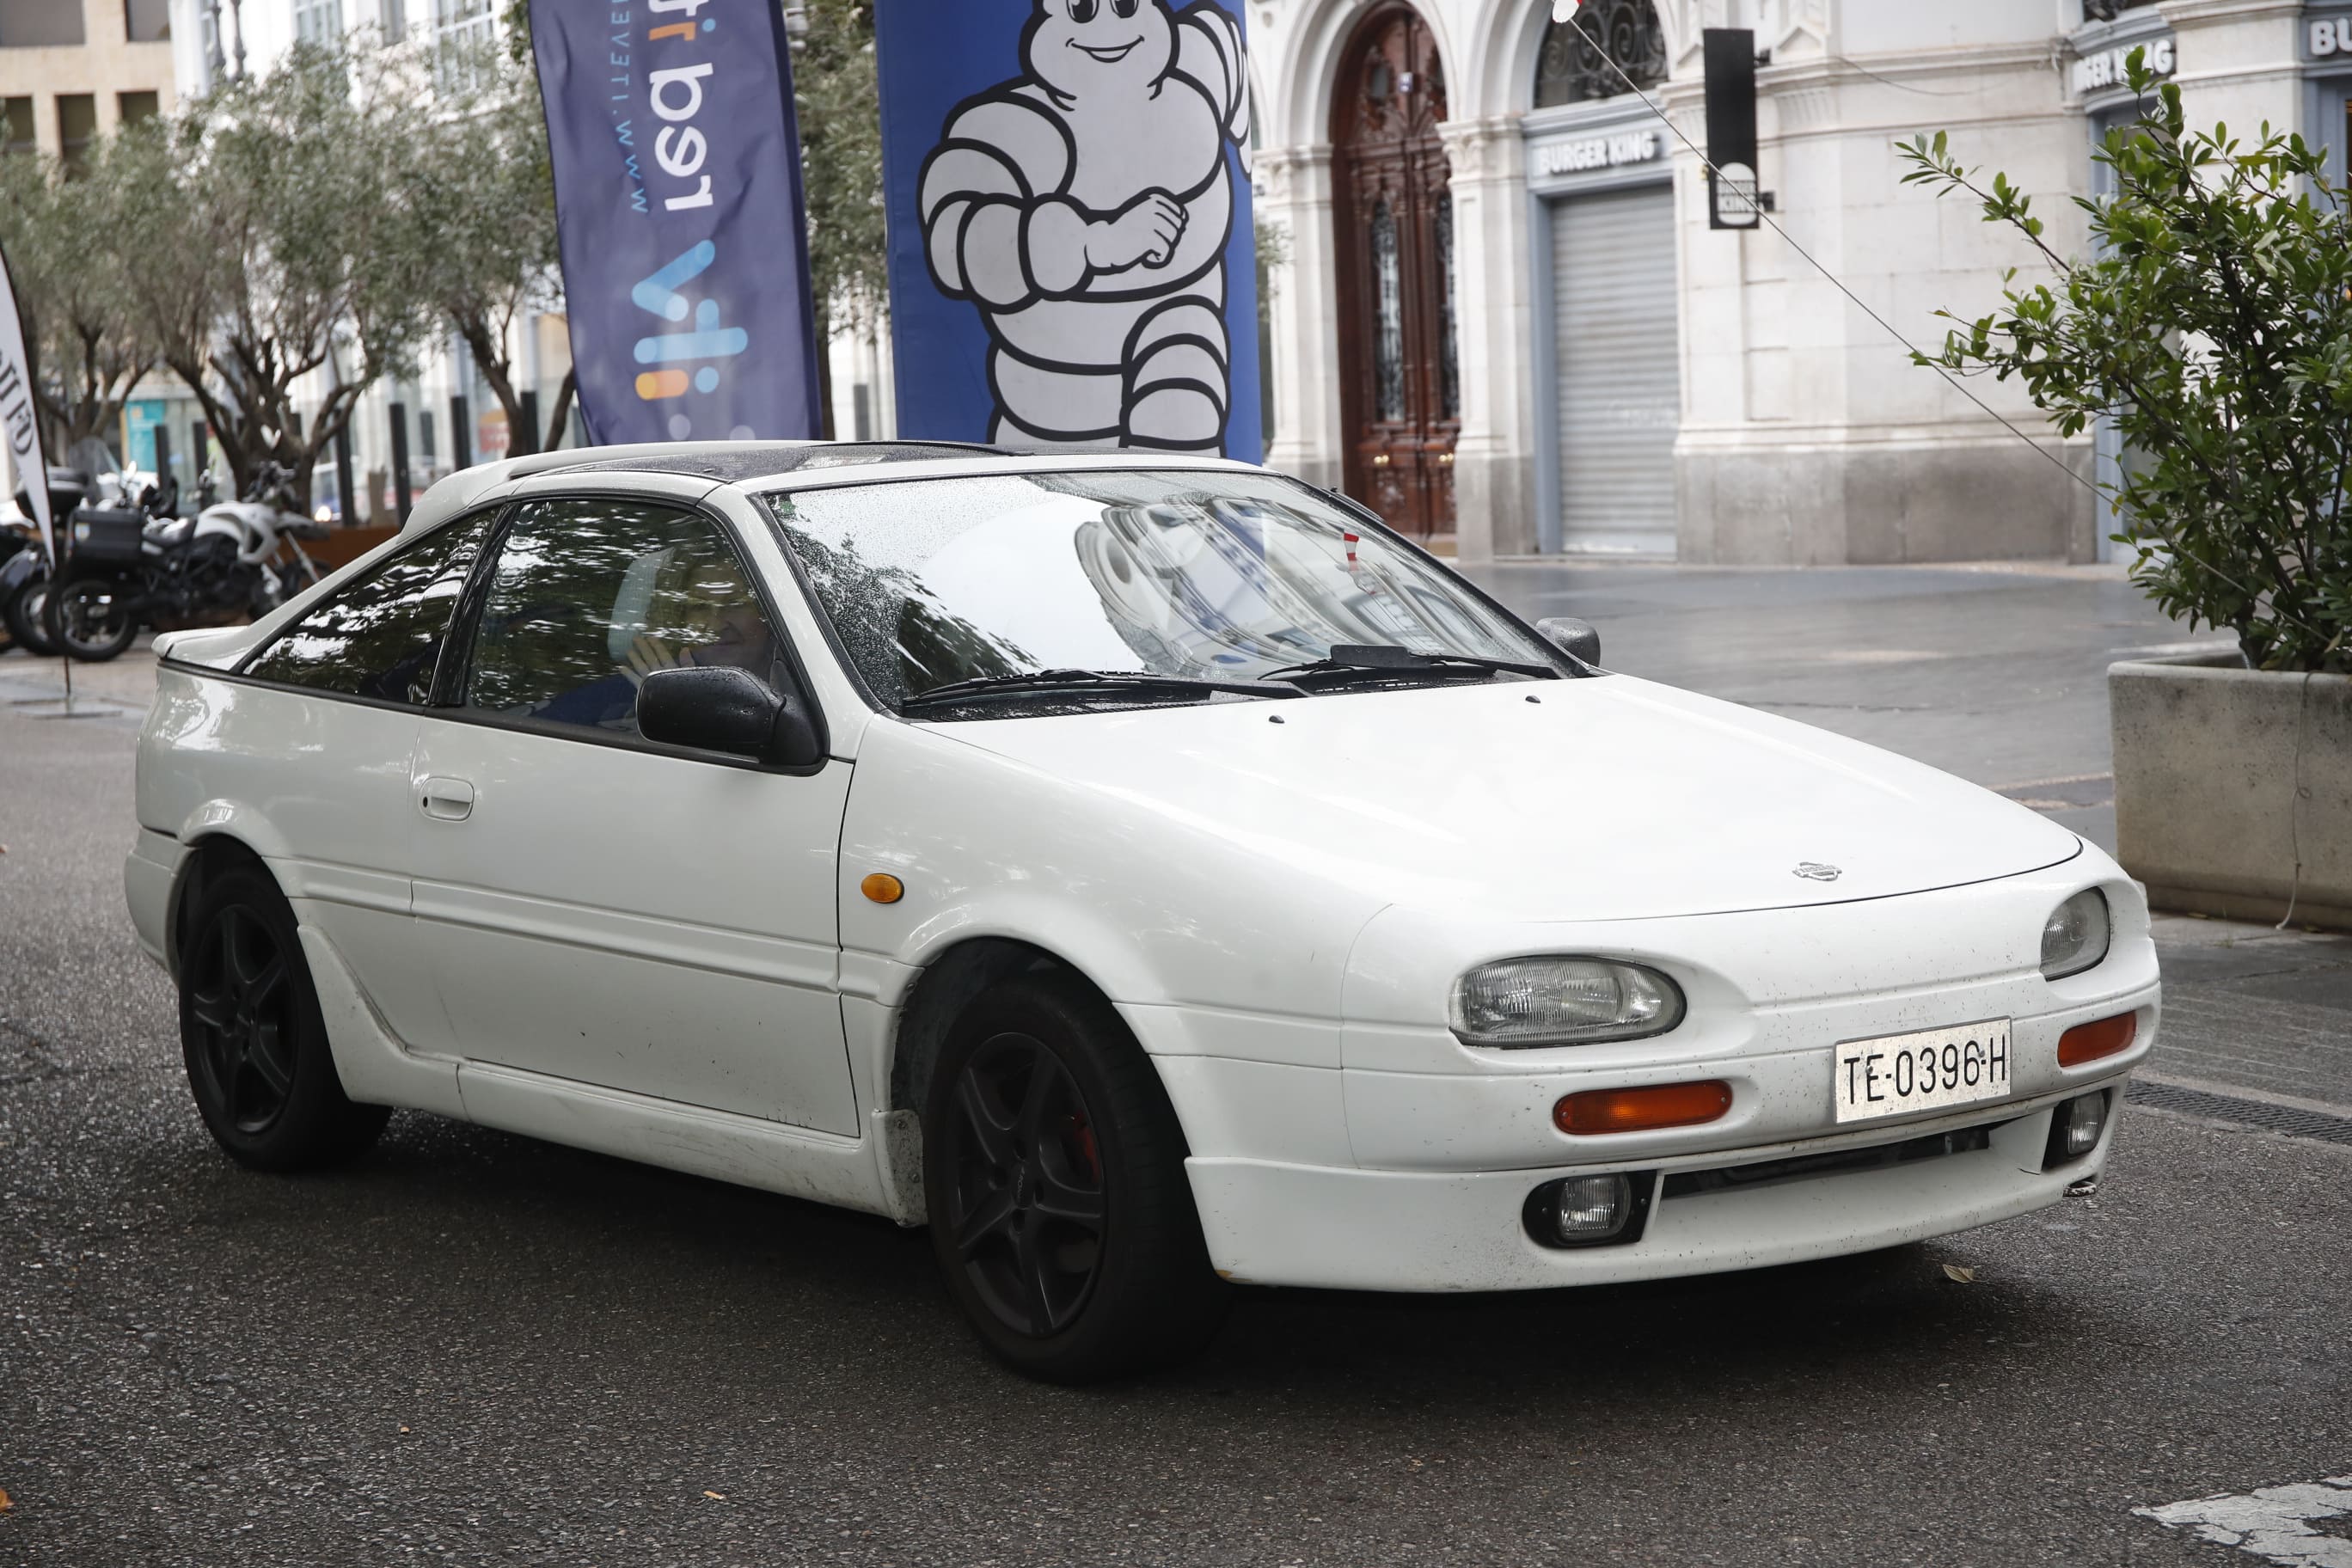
1040 681
1388 661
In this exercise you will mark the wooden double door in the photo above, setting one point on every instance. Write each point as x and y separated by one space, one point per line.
1401 373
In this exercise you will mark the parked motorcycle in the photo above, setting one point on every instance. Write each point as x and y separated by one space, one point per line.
124 567
25 570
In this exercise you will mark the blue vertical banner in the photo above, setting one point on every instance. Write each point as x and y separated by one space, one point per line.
1072 259
678 205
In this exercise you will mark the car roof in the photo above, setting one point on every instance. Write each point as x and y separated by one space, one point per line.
763 467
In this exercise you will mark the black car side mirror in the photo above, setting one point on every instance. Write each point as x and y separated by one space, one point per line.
1575 639
727 709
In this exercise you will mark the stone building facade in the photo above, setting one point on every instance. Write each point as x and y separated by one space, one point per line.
72 71
1504 315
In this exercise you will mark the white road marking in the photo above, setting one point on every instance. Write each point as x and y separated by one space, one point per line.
2271 1522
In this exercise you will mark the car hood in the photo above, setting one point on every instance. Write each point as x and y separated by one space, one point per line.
1598 799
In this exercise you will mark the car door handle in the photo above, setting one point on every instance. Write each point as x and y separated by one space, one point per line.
447 800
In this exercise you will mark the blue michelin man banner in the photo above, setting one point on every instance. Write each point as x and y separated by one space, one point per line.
678 202
1071 253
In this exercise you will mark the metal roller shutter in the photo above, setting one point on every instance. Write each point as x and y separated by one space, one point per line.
1619 393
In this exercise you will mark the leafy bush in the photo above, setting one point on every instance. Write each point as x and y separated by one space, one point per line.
2214 323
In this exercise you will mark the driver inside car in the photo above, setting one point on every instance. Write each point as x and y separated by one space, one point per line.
688 613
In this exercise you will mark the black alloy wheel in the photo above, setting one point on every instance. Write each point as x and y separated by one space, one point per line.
240 1001
259 1061
1053 1168
89 620
1025 1185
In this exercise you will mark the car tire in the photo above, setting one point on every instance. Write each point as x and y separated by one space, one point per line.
1053 1172
250 1030
76 628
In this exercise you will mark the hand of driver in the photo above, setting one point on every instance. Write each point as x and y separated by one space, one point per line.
647 654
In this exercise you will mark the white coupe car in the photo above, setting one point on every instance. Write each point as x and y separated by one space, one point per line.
1149 873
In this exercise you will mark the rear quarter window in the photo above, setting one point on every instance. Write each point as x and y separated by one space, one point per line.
382 636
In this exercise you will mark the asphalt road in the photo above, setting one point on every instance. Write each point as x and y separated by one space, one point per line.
477 1348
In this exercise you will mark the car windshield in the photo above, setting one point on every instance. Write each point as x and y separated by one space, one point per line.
1206 576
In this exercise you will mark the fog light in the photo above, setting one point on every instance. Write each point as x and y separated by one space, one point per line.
1593 1206
2074 1128
1590 1211
2085 1119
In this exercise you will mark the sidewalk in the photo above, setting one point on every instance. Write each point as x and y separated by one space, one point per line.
118 690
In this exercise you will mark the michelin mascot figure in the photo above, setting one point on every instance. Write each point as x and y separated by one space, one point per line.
1084 206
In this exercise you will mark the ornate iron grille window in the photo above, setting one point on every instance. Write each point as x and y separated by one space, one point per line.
1387 350
1570 70
1449 361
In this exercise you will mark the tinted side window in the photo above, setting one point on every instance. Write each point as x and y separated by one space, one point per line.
382 636
588 597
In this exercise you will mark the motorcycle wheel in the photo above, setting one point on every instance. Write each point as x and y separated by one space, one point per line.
89 620
281 584
27 619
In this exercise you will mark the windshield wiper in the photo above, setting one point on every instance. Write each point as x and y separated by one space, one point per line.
1087 680
1385 660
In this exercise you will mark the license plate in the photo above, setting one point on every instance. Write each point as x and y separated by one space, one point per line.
1897 1074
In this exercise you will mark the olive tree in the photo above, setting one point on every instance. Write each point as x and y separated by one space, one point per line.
89 342
835 101
483 209
268 242
2213 322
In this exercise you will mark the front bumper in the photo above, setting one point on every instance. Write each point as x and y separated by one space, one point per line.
1276 1224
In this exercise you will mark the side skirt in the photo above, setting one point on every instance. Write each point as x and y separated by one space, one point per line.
796 1162
793 1161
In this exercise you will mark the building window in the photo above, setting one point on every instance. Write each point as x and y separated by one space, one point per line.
22 137
40 24
147 21
463 31
318 23
2108 10
393 18
77 128
1572 68
136 107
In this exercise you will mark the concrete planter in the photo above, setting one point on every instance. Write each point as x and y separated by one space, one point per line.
2233 788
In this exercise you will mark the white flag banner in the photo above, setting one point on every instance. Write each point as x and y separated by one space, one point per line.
19 417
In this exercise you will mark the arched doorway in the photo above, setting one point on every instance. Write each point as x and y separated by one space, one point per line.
1400 382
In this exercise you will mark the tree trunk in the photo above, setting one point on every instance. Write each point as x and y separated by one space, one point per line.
825 373
560 420
490 359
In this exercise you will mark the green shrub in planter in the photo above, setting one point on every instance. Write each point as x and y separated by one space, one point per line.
2213 322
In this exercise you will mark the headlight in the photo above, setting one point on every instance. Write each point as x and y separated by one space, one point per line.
2074 938
1562 1002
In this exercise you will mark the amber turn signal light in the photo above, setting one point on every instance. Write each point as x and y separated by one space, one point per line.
883 888
1642 1109
2089 1042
